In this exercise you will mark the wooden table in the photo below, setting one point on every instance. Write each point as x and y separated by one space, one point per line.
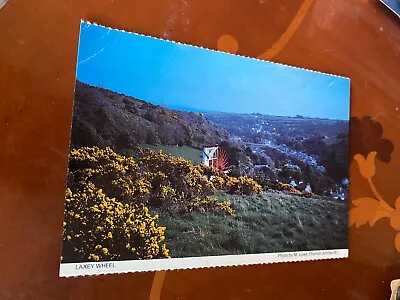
355 38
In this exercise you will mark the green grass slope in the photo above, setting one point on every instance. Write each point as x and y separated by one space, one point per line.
188 153
271 222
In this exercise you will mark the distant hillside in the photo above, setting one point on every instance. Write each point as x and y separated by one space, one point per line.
105 118
292 142
259 128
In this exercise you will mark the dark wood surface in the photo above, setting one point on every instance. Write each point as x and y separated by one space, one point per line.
355 38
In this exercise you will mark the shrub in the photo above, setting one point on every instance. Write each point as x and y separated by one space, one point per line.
219 182
210 171
180 177
242 185
97 228
151 137
279 186
265 176
118 176
306 194
152 179
210 204
289 188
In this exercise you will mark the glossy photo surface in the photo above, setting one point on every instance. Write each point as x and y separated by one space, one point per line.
184 157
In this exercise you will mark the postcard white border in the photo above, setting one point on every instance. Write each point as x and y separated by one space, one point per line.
132 266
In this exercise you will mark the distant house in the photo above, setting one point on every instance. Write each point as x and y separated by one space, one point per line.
339 193
301 186
210 155
214 156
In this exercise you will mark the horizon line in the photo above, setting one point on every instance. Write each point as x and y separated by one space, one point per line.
193 110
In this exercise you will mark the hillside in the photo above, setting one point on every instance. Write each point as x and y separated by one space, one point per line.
105 118
185 210
299 148
267 148
270 222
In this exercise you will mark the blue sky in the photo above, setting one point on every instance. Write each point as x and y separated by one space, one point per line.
190 78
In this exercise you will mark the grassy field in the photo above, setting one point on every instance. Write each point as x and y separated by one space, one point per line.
189 153
271 222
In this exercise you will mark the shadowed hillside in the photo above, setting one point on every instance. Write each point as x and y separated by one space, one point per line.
105 118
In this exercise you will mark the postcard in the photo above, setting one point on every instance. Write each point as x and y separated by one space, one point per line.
183 157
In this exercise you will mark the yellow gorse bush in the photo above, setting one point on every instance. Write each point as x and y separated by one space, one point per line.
154 179
279 186
243 185
97 227
173 177
234 185
108 195
210 204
